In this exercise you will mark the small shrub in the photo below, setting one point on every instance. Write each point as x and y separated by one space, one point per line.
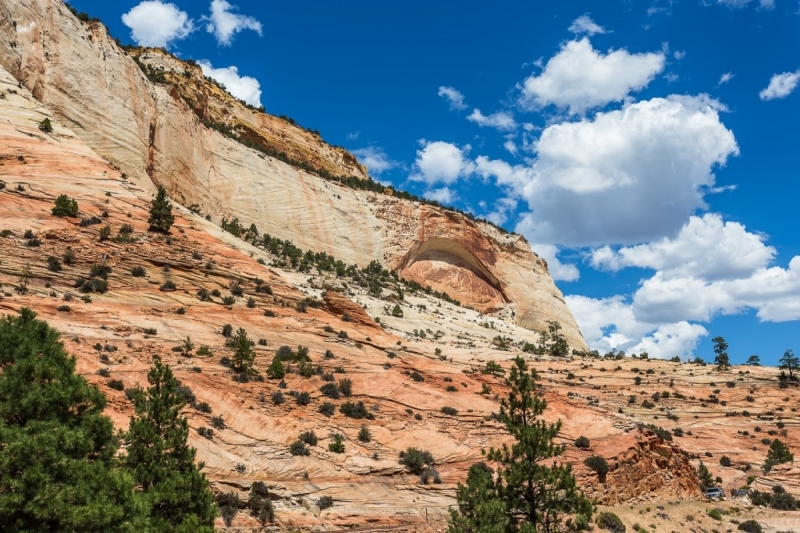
324 502
610 522
303 398
65 206
116 384
277 397
598 465
364 434
416 376
725 461
330 390
346 387
715 514
299 448
750 526
218 422
327 409
309 437
337 446
355 410
138 272
582 443
203 407
167 286
449 411
417 461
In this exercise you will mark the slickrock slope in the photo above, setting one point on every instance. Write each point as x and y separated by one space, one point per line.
154 133
138 317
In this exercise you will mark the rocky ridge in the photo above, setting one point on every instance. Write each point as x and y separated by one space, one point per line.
156 134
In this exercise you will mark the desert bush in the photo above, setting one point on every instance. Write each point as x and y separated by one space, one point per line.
750 526
355 410
417 461
364 434
327 409
299 448
582 443
337 446
449 411
610 522
65 206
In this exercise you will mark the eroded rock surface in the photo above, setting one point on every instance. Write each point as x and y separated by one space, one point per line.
155 133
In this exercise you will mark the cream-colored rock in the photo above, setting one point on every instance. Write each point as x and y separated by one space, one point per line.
150 132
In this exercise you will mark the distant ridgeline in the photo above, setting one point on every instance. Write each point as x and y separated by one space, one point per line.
160 75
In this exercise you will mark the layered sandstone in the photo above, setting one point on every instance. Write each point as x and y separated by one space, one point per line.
155 133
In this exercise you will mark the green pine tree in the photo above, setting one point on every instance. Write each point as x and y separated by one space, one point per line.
704 476
171 486
58 470
778 453
481 508
161 218
65 207
531 492
243 353
721 349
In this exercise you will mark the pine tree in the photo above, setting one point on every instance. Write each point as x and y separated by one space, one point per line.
558 345
531 492
778 453
171 486
161 218
790 362
57 450
721 349
704 476
243 353
481 508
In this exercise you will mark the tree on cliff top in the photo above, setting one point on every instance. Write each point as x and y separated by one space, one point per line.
58 470
530 492
161 218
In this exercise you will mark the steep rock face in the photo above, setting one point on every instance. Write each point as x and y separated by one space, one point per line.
153 135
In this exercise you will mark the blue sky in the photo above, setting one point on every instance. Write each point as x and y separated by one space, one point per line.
647 150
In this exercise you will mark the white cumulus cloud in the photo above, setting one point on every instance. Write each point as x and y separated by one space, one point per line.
453 96
375 159
780 85
500 120
633 175
585 24
579 77
157 24
706 247
443 195
441 162
243 87
224 22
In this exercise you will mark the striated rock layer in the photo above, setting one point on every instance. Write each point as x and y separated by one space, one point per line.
155 133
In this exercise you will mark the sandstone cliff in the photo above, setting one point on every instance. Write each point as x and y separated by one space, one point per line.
155 133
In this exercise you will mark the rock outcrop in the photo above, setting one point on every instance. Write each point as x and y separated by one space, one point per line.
173 134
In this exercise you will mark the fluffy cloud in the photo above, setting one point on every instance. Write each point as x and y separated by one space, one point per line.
224 23
711 268
453 96
375 159
610 323
500 120
443 195
706 247
154 23
773 292
585 24
579 78
627 176
441 162
242 87
780 86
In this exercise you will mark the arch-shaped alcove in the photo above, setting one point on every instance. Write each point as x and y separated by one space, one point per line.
447 266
